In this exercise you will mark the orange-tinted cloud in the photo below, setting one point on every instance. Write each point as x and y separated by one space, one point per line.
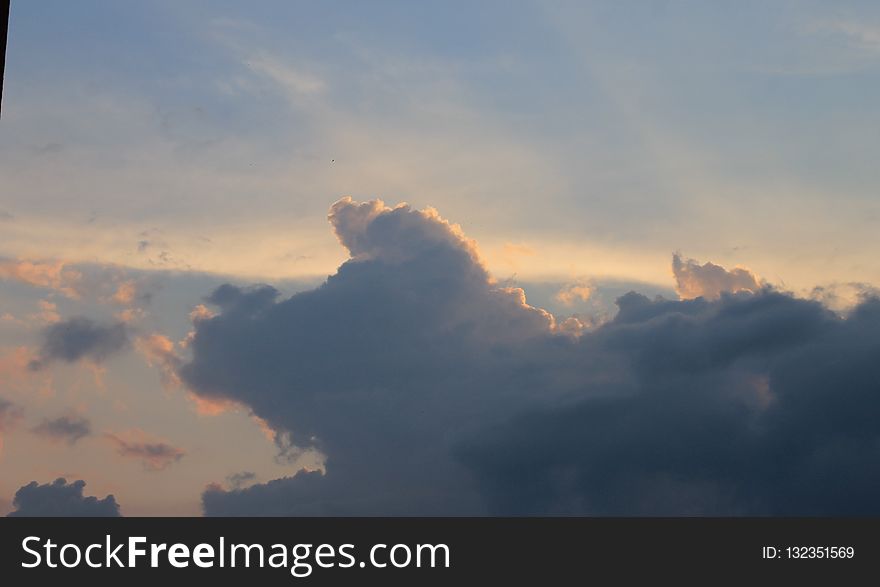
359 226
160 353
69 429
48 313
201 312
709 281
212 406
574 293
125 293
55 275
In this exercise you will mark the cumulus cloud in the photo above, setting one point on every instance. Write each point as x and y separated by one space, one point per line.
693 280
154 454
62 499
80 338
751 404
69 429
432 390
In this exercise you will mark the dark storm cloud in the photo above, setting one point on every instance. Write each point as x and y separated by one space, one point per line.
754 404
80 338
431 390
61 499
68 429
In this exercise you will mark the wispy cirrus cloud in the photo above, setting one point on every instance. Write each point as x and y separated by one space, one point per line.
864 35
154 454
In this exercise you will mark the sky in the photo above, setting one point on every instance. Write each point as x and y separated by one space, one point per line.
275 258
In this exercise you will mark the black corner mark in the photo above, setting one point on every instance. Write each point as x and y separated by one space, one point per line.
4 26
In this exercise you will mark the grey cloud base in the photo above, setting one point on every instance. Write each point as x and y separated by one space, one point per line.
752 405
432 391
61 499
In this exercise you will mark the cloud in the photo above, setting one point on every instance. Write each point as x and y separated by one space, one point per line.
104 283
239 480
48 313
751 404
80 338
294 81
843 297
693 280
861 34
414 299
431 390
61 499
571 294
153 454
305 494
69 429
160 353
55 275
125 293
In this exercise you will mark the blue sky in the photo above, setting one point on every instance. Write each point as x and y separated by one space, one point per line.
592 129
177 146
